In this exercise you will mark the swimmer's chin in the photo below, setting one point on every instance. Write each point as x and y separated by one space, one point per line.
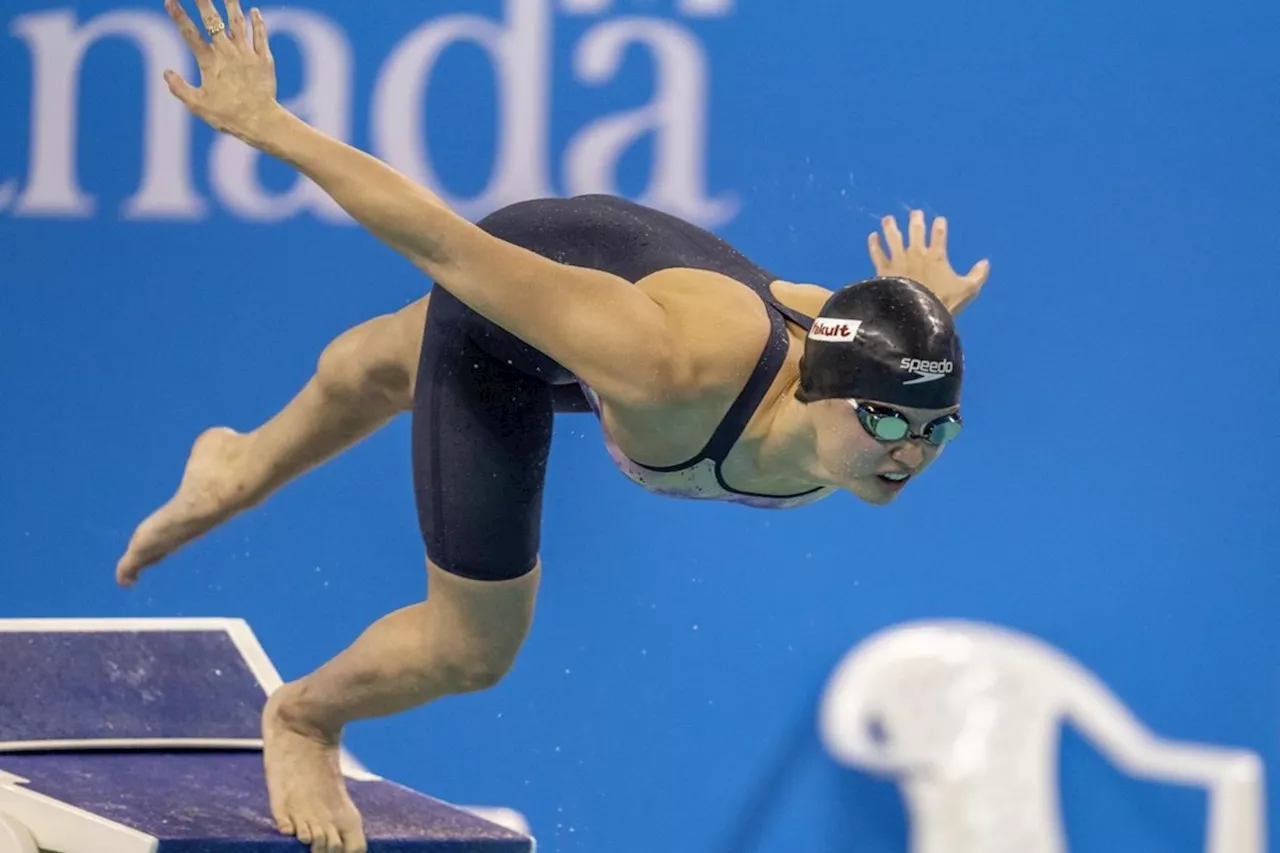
875 493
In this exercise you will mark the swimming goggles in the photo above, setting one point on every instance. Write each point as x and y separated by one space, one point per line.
885 424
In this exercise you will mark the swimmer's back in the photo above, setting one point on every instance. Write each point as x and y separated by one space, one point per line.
700 280
620 237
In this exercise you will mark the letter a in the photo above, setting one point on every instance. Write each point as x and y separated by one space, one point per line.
676 115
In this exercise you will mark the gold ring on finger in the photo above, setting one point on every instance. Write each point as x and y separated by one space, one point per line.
215 27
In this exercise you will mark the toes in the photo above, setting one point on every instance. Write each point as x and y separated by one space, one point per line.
353 840
323 837
280 814
327 839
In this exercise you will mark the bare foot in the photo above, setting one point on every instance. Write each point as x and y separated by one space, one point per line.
212 490
308 796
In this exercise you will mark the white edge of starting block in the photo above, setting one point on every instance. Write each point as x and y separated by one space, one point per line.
238 630
264 670
54 825
15 747
117 626
501 816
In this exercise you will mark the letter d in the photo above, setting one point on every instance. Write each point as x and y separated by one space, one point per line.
518 51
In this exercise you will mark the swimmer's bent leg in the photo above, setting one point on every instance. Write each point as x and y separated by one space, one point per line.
481 437
363 378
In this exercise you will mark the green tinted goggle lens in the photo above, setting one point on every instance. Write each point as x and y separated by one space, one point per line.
888 425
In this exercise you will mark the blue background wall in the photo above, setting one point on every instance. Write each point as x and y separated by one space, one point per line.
1116 492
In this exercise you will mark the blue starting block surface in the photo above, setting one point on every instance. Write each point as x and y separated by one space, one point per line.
137 684
218 802
142 736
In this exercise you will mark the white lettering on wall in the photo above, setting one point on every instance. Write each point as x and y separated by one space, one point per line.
324 102
676 116
58 46
519 43
519 48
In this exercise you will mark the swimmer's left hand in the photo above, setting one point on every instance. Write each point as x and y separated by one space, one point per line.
237 92
925 261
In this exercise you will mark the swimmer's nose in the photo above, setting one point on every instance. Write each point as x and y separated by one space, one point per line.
909 455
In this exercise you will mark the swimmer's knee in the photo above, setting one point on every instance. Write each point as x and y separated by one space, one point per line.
479 626
370 359
479 657
480 672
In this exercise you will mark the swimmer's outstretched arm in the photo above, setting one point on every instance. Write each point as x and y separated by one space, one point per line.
609 333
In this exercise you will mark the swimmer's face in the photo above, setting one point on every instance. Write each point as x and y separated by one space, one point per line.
868 467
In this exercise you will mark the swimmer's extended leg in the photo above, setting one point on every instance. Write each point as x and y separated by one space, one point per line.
463 638
481 435
363 378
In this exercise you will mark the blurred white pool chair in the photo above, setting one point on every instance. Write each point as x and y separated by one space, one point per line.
966 718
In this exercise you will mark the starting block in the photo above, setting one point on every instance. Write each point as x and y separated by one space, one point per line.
143 736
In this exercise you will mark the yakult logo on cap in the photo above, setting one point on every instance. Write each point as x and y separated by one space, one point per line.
838 329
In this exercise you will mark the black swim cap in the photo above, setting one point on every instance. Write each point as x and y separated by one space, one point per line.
884 339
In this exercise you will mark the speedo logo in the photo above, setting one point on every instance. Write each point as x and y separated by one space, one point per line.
926 371
834 330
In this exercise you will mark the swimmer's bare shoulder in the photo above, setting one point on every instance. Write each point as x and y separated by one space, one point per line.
720 325
719 328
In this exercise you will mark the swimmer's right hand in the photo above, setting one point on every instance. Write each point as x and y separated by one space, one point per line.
237 91
924 260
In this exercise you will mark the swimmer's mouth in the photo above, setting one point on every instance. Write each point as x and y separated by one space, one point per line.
896 480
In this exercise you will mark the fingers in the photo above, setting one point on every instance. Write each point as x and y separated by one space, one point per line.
934 250
181 89
187 28
236 25
261 42
213 23
978 275
938 240
878 260
892 236
915 229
